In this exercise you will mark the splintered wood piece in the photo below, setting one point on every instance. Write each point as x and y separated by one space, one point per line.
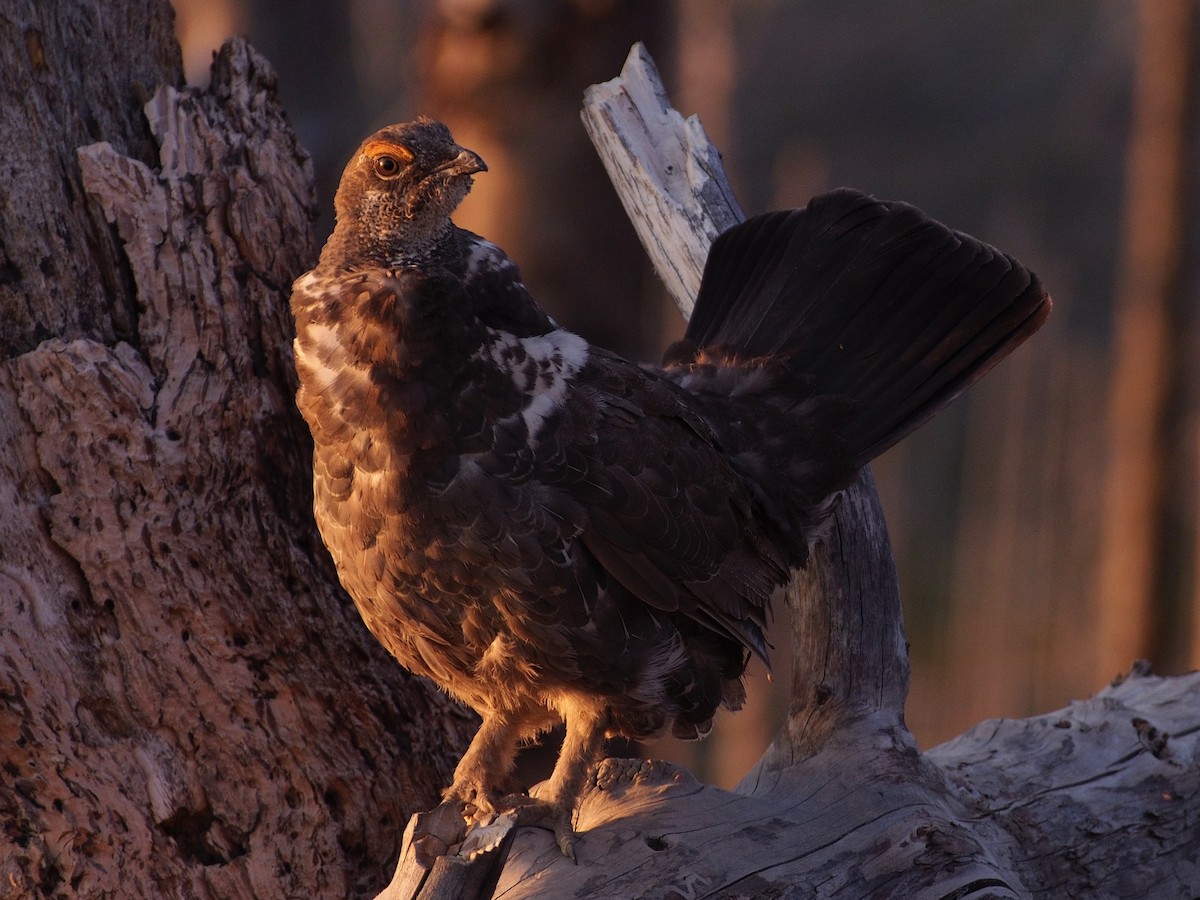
668 174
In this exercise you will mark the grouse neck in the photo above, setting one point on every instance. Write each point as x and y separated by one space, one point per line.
396 248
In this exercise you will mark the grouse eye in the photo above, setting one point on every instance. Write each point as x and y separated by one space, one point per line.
387 166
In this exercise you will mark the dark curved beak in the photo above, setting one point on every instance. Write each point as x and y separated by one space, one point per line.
467 162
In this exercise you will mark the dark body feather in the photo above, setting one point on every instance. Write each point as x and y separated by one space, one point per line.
547 530
568 552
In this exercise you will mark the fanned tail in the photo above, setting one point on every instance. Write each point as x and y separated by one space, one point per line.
874 301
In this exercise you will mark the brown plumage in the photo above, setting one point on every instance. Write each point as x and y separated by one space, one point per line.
552 533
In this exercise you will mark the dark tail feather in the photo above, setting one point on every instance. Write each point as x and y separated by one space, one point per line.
874 300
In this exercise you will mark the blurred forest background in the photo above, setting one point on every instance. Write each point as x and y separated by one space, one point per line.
1045 528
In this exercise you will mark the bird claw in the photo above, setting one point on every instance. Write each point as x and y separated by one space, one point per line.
474 801
480 809
543 814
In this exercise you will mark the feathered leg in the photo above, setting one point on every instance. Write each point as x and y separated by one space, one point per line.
554 805
486 764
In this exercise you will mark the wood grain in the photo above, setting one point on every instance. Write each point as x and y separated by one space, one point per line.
189 705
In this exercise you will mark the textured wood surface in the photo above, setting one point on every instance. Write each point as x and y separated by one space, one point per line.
189 706
73 73
1093 800
666 172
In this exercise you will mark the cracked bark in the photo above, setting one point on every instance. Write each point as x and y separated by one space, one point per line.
189 706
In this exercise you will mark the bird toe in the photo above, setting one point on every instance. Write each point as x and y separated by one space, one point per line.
552 816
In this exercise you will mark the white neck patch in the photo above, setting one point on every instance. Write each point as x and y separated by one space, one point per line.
541 368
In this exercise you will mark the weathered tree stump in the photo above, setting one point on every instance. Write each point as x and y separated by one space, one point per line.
189 705
1097 800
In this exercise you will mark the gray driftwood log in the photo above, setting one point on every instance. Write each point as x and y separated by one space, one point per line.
1101 799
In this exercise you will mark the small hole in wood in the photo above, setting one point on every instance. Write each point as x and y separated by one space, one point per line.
656 843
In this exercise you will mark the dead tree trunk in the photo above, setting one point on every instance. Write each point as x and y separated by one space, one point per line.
1098 800
507 77
189 706
1148 578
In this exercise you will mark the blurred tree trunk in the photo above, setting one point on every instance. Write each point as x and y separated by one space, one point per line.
1025 555
506 76
339 64
189 705
1148 544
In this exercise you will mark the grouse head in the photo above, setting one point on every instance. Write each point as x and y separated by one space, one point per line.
396 195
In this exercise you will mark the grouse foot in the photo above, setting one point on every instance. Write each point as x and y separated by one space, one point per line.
556 817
